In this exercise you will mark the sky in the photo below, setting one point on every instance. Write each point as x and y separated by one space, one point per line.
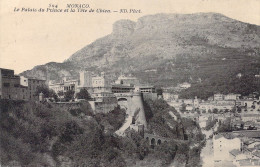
28 39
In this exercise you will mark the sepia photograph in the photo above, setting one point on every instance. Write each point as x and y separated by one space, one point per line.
138 83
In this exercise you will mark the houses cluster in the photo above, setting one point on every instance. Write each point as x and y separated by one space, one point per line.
237 149
102 89
18 87
219 102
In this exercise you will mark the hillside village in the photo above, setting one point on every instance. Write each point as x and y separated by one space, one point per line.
142 106
231 122
178 90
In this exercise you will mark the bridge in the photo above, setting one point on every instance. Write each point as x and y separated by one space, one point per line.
155 140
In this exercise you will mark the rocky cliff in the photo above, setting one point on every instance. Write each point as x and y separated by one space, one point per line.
167 49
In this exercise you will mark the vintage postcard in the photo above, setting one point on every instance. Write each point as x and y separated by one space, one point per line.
137 83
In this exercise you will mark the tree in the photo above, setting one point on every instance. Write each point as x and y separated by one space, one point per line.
60 93
215 111
69 95
183 107
48 93
83 94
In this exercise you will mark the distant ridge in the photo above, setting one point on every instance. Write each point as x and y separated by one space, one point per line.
171 48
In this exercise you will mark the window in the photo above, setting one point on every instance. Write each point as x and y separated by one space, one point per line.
16 85
6 84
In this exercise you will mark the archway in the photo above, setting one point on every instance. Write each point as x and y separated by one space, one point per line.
159 142
123 103
152 142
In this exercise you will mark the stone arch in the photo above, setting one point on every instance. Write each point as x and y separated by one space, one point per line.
122 99
159 142
123 103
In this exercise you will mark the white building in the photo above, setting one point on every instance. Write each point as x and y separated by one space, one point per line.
206 106
64 85
232 96
185 85
222 145
218 96
94 83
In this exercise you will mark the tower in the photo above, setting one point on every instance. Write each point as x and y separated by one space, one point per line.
85 78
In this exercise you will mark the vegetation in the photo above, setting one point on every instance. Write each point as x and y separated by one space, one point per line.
83 94
69 95
48 93
35 134
225 126
210 123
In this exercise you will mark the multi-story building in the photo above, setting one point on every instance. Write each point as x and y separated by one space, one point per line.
223 144
18 87
232 96
144 88
103 102
10 85
64 85
119 88
94 84
218 96
206 106
101 84
225 104
250 117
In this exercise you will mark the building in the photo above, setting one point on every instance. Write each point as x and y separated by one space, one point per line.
250 117
232 96
94 83
18 87
144 88
196 102
101 84
223 144
225 104
64 85
218 96
103 102
206 106
33 83
85 79
120 88
167 96
10 87
185 85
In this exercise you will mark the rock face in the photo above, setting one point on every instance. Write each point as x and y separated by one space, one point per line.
166 49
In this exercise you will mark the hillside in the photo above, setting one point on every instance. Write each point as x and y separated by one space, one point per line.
49 134
166 49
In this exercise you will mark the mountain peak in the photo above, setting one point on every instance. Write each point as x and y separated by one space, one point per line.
123 27
176 46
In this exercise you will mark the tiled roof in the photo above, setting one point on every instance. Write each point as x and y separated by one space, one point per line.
235 152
